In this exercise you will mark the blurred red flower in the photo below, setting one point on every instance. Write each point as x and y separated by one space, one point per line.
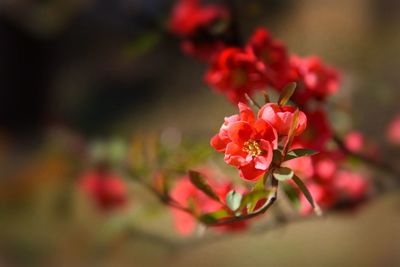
201 26
302 166
315 79
393 131
106 190
318 131
325 167
354 141
236 73
324 195
272 53
189 17
351 185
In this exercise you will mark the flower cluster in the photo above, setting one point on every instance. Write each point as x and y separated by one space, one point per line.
264 61
327 181
275 144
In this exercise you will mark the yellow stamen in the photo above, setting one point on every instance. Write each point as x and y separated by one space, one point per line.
252 147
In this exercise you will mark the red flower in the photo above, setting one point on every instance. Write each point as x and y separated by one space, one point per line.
187 195
351 185
315 79
203 28
318 131
393 131
236 73
106 190
281 117
189 17
272 53
324 196
302 166
325 167
248 143
354 141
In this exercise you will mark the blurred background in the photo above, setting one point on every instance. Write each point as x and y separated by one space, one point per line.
78 74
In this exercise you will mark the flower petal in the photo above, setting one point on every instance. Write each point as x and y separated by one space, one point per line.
239 132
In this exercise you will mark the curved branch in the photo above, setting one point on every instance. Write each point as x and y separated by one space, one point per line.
377 164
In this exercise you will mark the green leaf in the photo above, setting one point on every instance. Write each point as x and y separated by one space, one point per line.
283 174
286 93
292 195
233 200
250 199
303 188
300 152
213 217
259 185
201 183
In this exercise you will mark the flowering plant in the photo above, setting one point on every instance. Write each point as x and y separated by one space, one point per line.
287 145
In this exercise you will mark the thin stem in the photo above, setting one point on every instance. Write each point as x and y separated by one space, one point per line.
166 199
252 101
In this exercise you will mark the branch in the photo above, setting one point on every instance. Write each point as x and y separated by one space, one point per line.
270 201
377 164
165 199
267 226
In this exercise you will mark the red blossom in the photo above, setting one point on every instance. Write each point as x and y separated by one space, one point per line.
324 195
236 73
187 195
325 167
315 79
203 28
393 131
318 131
189 17
281 117
106 190
248 143
352 186
303 166
272 53
354 141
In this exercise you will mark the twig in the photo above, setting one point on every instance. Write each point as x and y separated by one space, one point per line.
161 197
252 101
270 201
377 164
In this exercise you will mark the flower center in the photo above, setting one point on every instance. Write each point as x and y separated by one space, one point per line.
252 147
